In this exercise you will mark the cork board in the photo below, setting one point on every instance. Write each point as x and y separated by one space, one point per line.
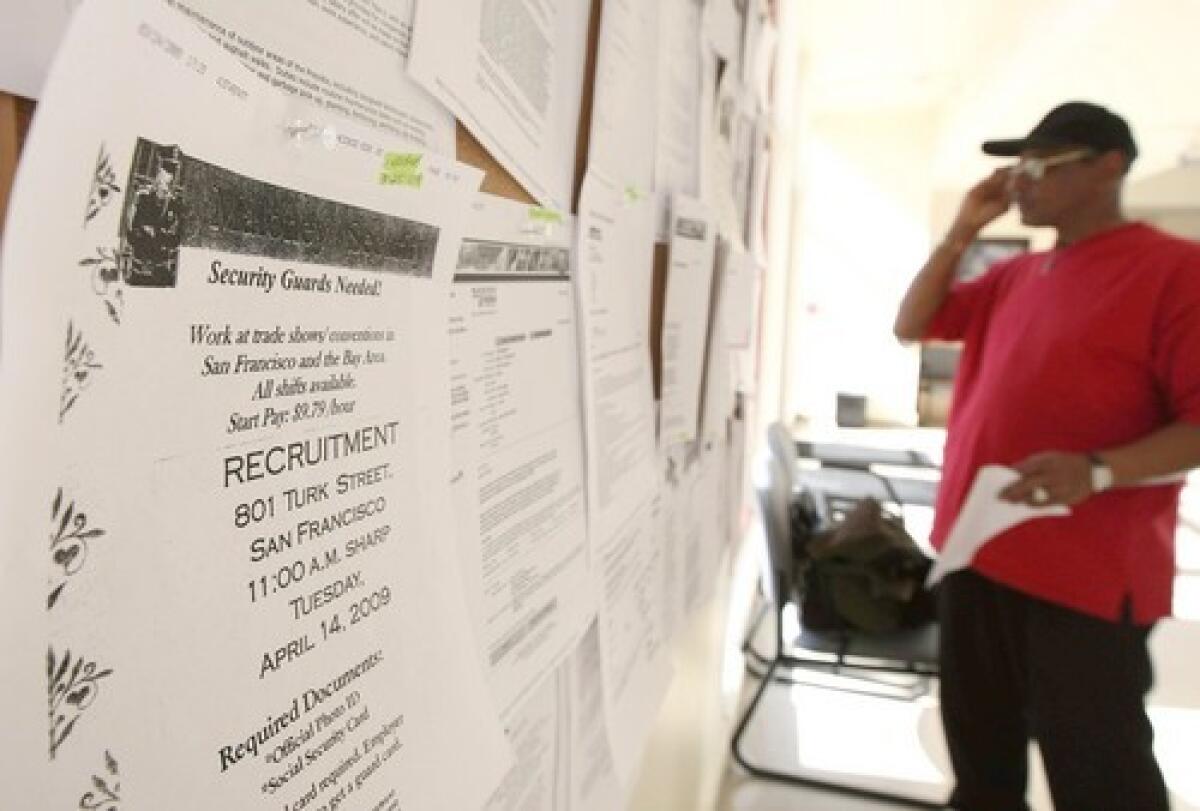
15 116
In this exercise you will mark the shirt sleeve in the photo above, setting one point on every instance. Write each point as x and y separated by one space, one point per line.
1176 354
967 303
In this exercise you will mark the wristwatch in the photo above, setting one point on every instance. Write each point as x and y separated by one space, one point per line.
1102 474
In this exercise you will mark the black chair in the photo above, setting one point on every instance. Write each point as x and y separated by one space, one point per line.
860 662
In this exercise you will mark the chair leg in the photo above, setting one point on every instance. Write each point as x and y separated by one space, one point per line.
795 779
736 744
748 641
748 651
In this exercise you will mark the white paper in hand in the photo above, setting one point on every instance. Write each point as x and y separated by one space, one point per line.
983 517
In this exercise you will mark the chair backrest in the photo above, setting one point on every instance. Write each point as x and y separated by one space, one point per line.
783 447
774 497
861 457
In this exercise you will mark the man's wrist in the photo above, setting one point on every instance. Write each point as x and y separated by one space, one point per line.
960 235
956 242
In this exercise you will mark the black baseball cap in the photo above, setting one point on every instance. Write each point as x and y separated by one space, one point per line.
1076 123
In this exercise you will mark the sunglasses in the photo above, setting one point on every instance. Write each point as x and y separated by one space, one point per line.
1035 168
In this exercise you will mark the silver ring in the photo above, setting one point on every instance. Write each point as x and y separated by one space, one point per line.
1040 495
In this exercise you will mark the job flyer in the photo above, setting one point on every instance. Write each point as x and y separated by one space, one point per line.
224 378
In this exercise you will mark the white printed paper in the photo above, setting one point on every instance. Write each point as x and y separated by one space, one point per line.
518 441
633 636
304 49
699 524
595 785
622 138
740 290
982 517
723 23
707 156
536 781
231 426
739 298
716 405
564 761
686 318
756 45
512 72
670 509
730 166
677 149
759 181
615 257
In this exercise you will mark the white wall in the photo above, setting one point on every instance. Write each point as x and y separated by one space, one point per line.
689 748
1170 199
862 232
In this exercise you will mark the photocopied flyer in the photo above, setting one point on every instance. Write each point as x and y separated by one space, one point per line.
224 381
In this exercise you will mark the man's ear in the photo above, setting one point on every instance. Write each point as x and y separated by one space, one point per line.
1114 162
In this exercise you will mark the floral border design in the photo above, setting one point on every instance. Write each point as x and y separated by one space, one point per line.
104 186
69 538
105 794
73 687
79 364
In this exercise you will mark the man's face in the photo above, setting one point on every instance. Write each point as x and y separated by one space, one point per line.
1048 185
162 183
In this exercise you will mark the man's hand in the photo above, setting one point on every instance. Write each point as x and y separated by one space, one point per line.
1051 478
987 200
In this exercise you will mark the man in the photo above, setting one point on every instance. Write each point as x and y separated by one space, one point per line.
1080 369
154 230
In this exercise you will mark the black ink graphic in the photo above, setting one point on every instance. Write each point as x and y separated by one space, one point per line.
689 228
153 211
104 186
68 544
224 211
484 260
79 362
73 686
105 794
109 269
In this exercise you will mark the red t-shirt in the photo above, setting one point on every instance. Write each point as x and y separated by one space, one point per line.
1083 348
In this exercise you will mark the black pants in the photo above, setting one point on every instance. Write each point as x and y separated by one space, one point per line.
1013 667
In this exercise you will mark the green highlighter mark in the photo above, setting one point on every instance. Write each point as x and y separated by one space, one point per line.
402 169
546 215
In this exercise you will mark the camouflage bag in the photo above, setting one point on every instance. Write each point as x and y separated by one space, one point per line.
865 574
